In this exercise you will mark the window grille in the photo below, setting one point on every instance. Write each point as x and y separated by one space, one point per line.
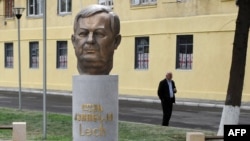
8 60
62 60
141 52
184 53
9 4
35 7
143 2
106 2
34 55
64 6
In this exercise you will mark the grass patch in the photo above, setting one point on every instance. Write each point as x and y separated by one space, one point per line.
59 128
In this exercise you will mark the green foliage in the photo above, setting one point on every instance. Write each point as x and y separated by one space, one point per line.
59 128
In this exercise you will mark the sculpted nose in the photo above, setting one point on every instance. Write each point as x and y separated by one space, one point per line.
90 38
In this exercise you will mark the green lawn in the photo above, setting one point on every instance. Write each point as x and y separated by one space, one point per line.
59 128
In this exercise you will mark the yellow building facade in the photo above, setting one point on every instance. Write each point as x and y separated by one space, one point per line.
191 38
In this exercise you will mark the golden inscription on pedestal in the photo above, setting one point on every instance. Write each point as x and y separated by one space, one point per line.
92 113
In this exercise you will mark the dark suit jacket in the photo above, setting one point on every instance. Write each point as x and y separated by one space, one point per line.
163 91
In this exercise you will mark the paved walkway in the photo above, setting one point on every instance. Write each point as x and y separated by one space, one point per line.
150 99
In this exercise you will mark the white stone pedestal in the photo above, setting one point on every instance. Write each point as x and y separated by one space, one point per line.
95 108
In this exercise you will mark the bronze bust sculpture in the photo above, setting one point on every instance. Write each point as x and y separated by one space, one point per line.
96 36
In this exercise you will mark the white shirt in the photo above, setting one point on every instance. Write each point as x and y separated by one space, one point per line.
171 93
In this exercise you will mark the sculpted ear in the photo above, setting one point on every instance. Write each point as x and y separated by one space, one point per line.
118 39
73 39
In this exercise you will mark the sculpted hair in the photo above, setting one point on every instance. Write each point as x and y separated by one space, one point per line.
95 9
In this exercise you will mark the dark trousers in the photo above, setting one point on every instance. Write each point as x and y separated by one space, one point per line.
167 107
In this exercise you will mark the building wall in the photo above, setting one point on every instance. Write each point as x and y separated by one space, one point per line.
212 24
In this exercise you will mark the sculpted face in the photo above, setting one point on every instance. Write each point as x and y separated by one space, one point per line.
94 44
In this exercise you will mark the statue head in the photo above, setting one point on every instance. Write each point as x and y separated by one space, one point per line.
96 36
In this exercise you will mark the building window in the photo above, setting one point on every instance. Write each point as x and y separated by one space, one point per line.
184 52
106 2
143 2
8 59
9 4
61 61
141 52
35 7
34 55
64 6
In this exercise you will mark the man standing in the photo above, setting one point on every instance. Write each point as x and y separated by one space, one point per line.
166 93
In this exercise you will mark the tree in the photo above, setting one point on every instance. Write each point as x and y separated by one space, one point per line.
231 110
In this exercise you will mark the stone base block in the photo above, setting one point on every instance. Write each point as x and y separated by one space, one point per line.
195 136
19 131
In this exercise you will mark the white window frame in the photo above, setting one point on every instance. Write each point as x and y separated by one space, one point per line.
143 2
9 55
135 2
34 55
37 7
152 1
109 3
68 8
142 53
62 53
184 52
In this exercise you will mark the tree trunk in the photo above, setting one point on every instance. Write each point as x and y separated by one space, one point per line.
231 110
